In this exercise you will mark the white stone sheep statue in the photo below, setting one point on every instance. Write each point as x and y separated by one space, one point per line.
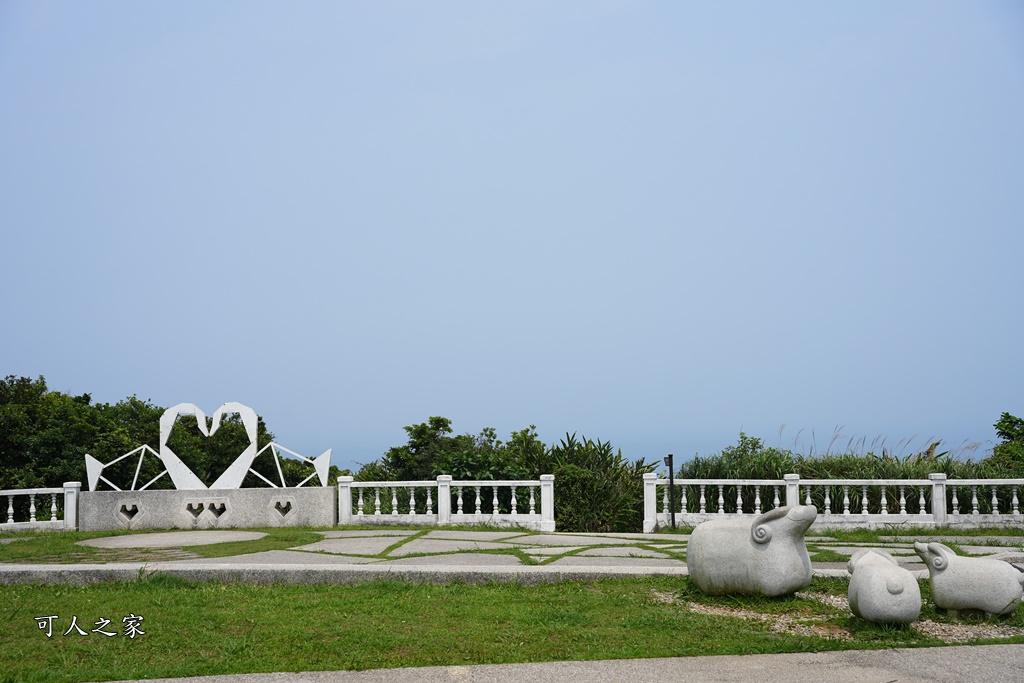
881 590
764 557
971 583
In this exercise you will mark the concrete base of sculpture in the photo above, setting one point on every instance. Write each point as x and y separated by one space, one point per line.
209 509
766 556
881 590
971 583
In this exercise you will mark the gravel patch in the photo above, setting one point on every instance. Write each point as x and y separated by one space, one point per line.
810 625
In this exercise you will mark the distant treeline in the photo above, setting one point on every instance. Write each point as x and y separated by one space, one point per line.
44 436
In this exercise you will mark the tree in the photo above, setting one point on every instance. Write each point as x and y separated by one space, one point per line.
1008 455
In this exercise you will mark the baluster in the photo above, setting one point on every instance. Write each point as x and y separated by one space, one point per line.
360 509
995 503
376 500
494 502
920 502
721 499
412 500
514 492
828 500
531 499
703 509
478 500
757 500
53 506
956 504
10 509
664 498
775 502
739 499
1016 510
682 506
459 490
807 491
974 500
430 501
32 507
884 503
394 500
846 500
903 500
864 500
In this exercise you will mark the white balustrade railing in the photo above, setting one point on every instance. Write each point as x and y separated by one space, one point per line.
40 509
524 503
840 502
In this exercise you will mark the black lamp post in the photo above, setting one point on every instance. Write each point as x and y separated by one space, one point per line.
671 488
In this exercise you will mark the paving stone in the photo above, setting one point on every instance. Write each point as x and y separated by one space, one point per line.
632 536
550 550
476 535
279 557
622 552
355 533
172 539
457 560
574 540
680 546
1014 541
424 545
352 546
578 561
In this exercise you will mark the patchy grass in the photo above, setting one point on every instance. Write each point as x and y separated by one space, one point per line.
61 547
819 554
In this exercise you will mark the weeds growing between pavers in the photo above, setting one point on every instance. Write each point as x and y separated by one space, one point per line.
61 547
211 628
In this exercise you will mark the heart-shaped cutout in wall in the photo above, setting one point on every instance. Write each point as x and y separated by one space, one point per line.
283 507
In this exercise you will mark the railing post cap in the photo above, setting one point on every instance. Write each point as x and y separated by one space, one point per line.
345 480
72 484
444 477
547 477
650 475
937 475
791 477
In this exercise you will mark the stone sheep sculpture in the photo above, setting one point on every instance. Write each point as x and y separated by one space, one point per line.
764 557
972 583
881 590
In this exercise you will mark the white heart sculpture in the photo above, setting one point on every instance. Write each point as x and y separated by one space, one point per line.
183 477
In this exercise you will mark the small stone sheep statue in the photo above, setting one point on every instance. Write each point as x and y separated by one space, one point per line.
973 583
764 557
881 590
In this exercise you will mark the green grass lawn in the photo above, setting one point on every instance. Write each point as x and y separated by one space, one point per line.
211 628
196 629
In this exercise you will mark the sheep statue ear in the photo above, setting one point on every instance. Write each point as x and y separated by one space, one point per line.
760 532
941 555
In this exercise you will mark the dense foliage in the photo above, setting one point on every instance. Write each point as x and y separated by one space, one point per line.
45 435
597 489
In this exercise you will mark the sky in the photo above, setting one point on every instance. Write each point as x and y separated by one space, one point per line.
657 224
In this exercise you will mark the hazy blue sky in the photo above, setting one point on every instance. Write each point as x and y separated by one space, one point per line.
654 223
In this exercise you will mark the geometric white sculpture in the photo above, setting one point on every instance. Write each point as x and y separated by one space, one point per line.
180 473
